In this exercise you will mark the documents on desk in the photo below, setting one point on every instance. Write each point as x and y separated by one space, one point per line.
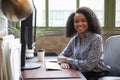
52 65
10 50
51 70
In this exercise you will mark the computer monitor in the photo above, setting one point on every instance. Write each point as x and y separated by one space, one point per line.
28 39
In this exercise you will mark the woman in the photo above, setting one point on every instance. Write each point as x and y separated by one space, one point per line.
86 44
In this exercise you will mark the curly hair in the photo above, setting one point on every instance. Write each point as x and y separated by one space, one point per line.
93 23
70 30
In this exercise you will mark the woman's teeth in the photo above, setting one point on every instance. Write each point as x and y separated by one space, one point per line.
80 28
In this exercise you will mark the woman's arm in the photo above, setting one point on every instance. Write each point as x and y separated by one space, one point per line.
65 54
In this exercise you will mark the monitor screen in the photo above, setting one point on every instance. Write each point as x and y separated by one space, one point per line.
28 36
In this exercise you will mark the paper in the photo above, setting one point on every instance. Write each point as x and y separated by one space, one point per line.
15 51
52 65
4 56
10 52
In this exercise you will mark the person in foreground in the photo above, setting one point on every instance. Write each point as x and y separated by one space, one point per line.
84 50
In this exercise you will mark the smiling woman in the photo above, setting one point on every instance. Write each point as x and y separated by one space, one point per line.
83 51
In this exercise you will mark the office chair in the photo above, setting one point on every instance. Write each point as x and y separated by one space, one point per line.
112 57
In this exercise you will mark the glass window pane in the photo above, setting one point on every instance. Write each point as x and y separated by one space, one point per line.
117 22
59 10
97 6
40 6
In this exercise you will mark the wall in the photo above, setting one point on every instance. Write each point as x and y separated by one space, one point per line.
52 43
56 43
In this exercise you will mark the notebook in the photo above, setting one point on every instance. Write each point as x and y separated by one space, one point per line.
52 65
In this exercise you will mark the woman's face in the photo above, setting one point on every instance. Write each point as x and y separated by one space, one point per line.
80 23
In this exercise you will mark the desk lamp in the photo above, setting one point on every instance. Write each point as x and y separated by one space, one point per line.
18 10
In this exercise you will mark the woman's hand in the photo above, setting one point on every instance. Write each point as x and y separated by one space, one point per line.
62 60
65 65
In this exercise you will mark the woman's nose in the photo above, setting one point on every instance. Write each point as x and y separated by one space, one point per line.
80 23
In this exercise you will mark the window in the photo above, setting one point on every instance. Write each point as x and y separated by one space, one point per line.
54 13
97 6
117 21
40 6
59 10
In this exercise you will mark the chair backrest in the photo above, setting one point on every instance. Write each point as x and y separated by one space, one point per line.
112 52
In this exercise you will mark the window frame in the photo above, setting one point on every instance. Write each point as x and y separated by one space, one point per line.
109 16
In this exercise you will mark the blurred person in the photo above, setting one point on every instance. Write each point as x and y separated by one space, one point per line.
3 24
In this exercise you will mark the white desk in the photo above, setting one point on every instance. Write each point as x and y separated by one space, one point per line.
34 74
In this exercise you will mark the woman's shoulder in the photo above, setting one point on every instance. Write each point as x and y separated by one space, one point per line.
96 37
75 37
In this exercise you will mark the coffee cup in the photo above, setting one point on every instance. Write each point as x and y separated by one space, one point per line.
41 54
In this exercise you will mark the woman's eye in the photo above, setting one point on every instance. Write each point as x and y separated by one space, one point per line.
76 21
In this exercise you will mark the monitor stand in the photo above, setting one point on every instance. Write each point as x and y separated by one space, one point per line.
30 65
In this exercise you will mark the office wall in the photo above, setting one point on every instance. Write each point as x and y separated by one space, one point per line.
56 43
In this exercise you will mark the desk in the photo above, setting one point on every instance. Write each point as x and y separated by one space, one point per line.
42 74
